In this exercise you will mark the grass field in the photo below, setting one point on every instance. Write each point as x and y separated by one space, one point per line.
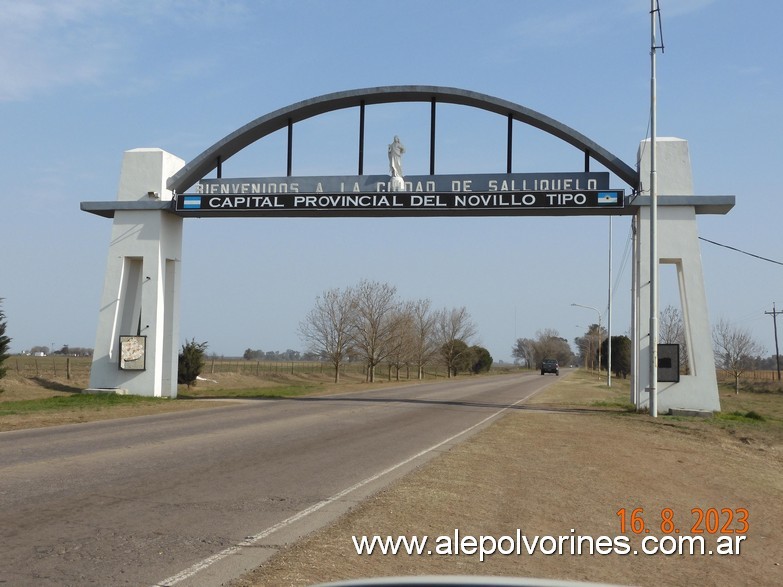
71 402
78 368
47 390
580 454
757 409
568 466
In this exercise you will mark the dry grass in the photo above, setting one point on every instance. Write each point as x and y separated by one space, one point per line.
565 473
541 473
19 387
29 388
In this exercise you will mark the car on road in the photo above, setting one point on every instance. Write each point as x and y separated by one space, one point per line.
550 366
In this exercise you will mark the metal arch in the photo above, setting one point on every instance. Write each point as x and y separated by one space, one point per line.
269 123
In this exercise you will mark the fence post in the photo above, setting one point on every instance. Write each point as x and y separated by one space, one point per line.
68 368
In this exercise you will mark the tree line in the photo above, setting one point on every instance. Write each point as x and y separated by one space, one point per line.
548 344
287 355
734 348
65 350
368 322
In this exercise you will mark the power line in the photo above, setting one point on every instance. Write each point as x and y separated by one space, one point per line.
740 251
623 262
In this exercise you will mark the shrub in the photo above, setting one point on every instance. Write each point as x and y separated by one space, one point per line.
191 362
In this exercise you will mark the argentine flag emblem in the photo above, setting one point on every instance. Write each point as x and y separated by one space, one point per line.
191 202
607 198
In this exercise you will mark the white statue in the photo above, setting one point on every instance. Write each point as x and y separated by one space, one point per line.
396 149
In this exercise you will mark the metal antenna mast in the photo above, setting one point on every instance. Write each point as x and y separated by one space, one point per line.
653 387
609 318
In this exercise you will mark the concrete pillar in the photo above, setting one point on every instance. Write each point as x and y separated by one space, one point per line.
678 245
141 286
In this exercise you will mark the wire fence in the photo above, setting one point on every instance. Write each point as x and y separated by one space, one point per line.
60 367
260 368
51 367
756 375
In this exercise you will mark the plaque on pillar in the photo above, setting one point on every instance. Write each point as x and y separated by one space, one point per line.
669 363
133 351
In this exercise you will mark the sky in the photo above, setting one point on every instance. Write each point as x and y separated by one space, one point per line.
82 81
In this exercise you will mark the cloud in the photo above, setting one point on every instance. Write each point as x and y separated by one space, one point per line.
47 45
669 8
674 9
557 28
571 23
50 45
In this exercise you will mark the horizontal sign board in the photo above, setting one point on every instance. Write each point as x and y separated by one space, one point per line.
464 203
484 194
481 182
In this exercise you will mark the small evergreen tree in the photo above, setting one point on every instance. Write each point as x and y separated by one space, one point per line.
191 362
456 356
621 355
5 342
481 359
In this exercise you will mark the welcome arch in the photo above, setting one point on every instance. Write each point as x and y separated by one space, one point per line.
213 158
138 324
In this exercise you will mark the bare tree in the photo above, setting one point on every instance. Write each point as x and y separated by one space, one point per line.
453 327
672 331
550 345
735 349
326 329
424 344
369 323
588 345
585 346
373 323
402 339
524 350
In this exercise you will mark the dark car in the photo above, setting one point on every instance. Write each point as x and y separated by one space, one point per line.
550 366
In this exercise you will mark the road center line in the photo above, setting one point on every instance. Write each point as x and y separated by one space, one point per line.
251 540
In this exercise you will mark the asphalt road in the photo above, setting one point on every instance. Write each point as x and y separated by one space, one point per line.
201 496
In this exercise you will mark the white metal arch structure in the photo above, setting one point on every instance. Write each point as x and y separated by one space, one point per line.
218 153
137 337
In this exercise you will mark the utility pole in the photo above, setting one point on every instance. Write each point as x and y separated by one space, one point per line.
609 310
597 311
774 313
653 387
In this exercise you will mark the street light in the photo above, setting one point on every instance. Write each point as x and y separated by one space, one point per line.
599 332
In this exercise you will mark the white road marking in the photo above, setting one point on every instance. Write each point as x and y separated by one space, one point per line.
251 540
